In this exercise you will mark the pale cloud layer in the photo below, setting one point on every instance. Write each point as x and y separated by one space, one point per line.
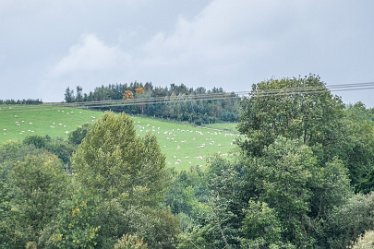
90 55
225 43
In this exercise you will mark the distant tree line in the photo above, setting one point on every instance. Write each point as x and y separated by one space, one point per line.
181 105
21 102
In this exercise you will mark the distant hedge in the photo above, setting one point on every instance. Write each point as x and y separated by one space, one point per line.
21 102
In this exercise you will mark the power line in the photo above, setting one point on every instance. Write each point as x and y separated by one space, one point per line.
199 97
165 100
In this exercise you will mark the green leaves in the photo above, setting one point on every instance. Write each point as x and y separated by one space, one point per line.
127 173
112 161
286 173
304 152
350 220
74 225
359 147
313 116
261 227
36 185
290 180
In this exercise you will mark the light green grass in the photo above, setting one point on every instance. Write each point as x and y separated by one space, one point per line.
17 122
231 127
183 144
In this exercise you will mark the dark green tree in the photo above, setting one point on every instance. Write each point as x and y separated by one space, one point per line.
359 147
302 192
294 108
76 136
57 146
261 227
79 97
69 95
221 211
286 173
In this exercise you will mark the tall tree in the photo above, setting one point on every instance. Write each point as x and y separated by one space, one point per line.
294 108
285 175
359 147
112 161
69 95
128 174
79 96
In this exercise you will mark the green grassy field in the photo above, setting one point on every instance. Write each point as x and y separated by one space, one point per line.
231 127
183 144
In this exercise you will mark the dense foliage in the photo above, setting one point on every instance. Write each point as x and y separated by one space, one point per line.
304 179
21 102
303 157
181 105
109 193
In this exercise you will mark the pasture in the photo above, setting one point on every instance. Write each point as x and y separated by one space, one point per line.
183 144
231 127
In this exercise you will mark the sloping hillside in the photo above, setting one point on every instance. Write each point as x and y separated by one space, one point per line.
183 144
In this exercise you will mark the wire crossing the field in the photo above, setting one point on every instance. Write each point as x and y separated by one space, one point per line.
197 97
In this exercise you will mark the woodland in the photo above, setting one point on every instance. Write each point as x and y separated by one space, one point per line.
184 103
304 177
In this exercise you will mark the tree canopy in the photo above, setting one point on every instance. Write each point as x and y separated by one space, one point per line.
303 178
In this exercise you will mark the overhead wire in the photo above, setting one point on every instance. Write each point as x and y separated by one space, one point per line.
193 97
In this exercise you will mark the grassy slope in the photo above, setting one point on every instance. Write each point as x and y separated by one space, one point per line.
183 144
232 127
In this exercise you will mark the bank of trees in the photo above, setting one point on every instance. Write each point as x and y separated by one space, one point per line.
21 102
304 179
109 194
181 105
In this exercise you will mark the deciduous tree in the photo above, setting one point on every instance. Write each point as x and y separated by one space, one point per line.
294 108
127 173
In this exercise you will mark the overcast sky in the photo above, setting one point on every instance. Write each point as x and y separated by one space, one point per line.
48 45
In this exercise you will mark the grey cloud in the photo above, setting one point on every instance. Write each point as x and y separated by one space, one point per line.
91 54
220 42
